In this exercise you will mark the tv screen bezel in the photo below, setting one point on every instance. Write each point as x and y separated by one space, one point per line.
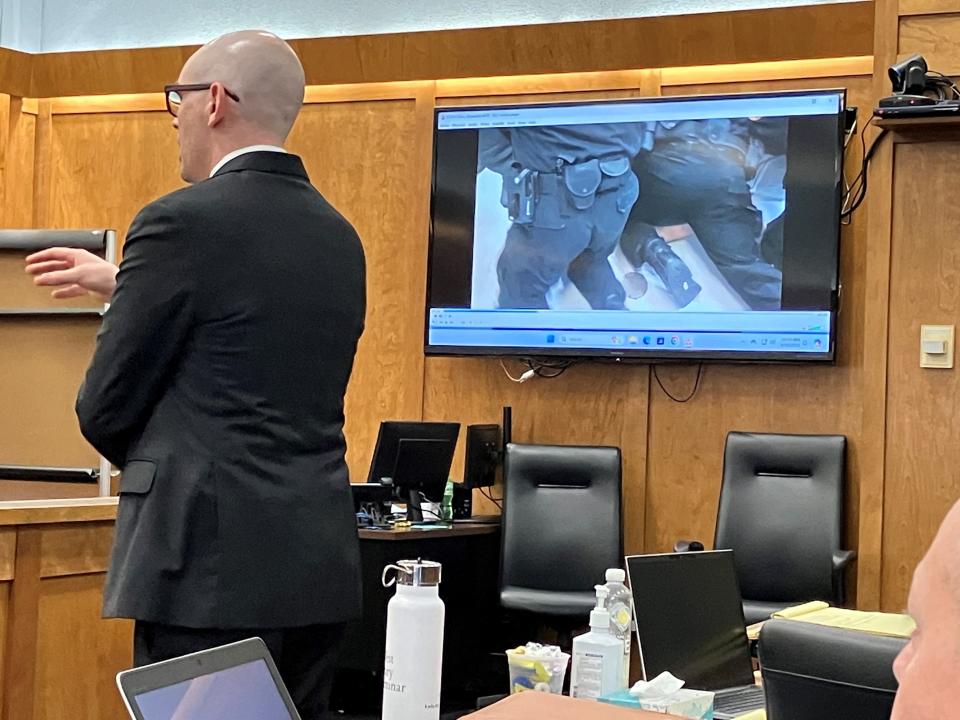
638 354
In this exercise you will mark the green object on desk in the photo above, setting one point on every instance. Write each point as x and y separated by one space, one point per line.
446 507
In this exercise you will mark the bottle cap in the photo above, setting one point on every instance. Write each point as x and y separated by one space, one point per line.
418 573
616 575
600 619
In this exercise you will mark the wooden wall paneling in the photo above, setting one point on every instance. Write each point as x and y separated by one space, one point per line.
817 31
778 72
94 185
923 406
928 7
361 156
548 86
104 72
41 380
8 553
80 181
25 196
5 120
16 192
43 160
876 316
592 404
5 586
19 677
15 72
686 441
934 37
76 548
78 654
8 550
596 404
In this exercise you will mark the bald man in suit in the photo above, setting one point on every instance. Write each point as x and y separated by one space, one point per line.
218 382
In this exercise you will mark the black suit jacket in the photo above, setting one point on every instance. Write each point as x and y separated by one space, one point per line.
217 386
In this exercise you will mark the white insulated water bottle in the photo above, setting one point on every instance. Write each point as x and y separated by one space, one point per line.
414 652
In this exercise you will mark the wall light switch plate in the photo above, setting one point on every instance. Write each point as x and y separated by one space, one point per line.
936 346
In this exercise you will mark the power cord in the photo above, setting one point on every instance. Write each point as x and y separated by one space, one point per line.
519 380
848 138
423 499
489 496
857 191
690 396
546 369
941 81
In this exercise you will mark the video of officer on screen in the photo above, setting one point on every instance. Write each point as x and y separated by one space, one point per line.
644 216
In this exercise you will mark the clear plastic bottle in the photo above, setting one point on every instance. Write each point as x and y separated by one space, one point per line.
597 656
619 604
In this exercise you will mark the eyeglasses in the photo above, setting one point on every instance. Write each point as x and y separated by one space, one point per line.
174 95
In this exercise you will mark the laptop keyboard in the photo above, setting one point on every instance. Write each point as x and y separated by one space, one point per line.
738 701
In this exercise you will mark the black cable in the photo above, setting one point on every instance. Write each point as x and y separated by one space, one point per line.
863 157
940 79
862 194
858 188
423 499
491 498
549 368
688 398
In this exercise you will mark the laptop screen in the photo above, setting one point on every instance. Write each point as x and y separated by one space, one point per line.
242 692
690 618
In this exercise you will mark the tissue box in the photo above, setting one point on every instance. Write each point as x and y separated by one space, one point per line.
695 704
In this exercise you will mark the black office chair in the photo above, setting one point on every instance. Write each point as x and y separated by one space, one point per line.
811 672
561 527
781 512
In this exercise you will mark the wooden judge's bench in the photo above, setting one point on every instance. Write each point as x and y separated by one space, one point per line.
58 658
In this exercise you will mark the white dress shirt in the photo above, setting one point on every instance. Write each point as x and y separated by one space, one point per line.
243 151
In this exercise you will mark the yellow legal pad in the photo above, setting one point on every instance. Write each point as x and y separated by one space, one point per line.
877 623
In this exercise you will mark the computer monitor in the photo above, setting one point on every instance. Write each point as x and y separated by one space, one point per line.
689 617
416 457
483 456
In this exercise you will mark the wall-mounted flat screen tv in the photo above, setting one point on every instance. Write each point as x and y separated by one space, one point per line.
701 228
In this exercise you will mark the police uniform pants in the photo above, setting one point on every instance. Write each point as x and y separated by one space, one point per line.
534 256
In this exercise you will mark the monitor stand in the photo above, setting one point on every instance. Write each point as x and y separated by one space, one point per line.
414 510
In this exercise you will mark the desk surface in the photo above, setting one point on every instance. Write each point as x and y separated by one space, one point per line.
419 533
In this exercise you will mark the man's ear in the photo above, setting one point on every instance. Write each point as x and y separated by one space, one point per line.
216 105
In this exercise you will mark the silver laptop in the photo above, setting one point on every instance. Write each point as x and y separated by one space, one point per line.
231 682
689 619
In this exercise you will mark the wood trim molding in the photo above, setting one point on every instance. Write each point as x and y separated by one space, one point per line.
16 72
784 70
927 7
30 512
876 321
668 41
21 642
493 86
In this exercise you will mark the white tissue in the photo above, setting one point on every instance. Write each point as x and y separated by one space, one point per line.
663 685
540 652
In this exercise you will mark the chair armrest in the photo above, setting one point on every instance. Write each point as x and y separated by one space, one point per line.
688 546
841 559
